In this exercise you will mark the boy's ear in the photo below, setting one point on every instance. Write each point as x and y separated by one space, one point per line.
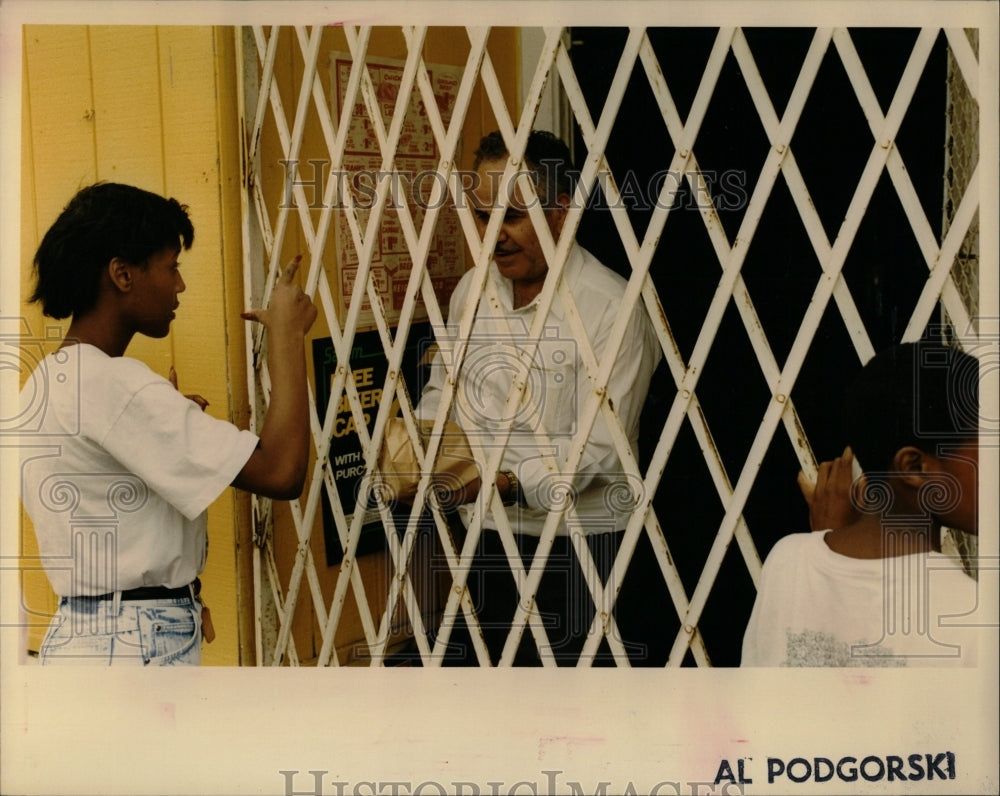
912 464
121 274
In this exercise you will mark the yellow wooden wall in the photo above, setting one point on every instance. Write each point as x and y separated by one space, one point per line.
154 107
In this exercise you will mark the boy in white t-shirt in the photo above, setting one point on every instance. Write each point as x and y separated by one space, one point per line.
870 586
119 467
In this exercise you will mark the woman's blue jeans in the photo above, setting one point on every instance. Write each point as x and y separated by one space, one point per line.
107 631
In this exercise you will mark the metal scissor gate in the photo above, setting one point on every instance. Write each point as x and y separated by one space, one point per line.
298 105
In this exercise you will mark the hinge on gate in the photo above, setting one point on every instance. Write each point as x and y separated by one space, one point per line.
261 521
246 163
257 534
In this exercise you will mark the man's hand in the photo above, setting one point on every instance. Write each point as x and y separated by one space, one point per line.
450 496
831 498
196 398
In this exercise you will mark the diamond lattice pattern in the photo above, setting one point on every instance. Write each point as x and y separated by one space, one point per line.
312 103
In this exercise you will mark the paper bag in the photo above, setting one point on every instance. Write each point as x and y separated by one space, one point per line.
453 469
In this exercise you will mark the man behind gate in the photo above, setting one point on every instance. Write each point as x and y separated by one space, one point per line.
547 368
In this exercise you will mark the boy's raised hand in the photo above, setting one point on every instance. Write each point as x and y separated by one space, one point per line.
831 499
290 310
278 466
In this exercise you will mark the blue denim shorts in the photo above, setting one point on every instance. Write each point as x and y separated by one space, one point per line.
106 632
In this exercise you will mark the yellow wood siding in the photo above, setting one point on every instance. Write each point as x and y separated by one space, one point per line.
154 107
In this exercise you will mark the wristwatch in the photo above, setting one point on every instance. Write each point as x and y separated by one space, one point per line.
514 496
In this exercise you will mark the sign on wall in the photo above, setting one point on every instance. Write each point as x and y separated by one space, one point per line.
369 368
411 185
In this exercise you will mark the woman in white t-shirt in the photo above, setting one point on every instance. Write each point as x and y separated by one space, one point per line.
119 468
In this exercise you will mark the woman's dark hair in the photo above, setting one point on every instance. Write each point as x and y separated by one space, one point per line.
546 157
920 394
101 222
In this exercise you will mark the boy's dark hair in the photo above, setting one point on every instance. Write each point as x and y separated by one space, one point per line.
545 156
920 394
101 222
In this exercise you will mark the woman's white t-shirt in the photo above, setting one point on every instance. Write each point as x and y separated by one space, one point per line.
118 469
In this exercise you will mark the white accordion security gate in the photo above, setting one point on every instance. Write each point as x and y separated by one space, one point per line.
286 116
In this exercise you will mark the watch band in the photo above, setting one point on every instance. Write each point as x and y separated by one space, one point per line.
514 496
